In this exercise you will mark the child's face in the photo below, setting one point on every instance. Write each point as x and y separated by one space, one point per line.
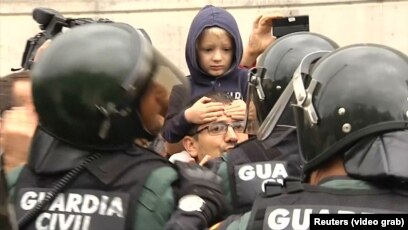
215 51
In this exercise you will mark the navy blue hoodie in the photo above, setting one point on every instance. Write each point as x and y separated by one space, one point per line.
234 81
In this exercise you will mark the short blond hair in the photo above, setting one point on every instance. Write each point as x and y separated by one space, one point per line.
217 31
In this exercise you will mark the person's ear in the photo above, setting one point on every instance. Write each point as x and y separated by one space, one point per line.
190 145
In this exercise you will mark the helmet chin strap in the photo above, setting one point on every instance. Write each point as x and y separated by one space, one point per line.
255 77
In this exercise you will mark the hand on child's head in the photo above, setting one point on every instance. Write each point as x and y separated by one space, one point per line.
236 110
204 111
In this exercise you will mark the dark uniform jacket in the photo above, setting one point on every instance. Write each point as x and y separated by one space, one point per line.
127 189
246 168
290 207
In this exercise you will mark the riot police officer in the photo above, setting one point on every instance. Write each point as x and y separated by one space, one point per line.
275 155
351 117
97 88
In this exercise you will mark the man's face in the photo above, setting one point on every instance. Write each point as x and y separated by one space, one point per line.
215 52
212 142
153 108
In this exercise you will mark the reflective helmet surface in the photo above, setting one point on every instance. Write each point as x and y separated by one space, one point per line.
88 84
360 90
280 61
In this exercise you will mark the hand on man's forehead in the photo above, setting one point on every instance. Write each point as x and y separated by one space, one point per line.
223 118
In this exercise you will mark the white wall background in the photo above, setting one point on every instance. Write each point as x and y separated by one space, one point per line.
167 22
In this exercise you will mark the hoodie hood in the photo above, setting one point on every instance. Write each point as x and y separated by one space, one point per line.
211 16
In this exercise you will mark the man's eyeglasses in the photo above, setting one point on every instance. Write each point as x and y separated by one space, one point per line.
221 128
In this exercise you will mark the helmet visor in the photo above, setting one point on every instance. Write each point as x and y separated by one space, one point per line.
166 77
302 95
156 94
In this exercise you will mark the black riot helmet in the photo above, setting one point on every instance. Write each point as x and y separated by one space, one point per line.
354 92
275 69
89 84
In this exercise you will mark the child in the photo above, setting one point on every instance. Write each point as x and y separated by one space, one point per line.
213 53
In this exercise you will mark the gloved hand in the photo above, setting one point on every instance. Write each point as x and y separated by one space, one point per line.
199 181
